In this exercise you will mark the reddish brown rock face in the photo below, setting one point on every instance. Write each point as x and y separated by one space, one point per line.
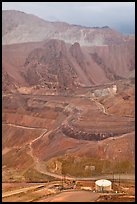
57 65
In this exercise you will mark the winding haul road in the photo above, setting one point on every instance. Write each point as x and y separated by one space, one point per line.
24 127
108 176
100 106
44 171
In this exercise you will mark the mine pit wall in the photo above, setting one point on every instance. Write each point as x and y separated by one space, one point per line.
90 136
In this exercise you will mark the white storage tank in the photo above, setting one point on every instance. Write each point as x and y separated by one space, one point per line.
103 185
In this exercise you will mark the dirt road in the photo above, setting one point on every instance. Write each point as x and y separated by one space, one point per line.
100 106
10 193
73 196
24 127
109 176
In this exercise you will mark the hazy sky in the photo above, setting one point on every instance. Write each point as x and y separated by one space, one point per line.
117 15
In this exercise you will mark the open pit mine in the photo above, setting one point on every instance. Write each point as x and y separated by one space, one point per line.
68 115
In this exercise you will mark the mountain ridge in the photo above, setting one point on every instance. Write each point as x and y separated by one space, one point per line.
19 27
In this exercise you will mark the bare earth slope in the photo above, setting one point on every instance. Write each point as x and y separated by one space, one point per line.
75 132
63 56
59 67
68 100
18 27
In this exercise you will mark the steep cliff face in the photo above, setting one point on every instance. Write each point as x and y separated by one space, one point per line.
61 67
50 66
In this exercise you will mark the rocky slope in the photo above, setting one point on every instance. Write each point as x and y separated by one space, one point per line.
56 66
68 99
38 128
63 56
18 27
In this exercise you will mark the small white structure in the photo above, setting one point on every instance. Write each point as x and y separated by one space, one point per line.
103 185
86 188
114 89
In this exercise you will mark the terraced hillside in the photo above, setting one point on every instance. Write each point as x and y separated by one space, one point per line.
68 97
38 128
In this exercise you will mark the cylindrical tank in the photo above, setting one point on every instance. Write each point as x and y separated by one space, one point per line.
103 185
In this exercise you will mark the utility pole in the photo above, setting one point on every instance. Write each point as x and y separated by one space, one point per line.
119 179
62 182
113 180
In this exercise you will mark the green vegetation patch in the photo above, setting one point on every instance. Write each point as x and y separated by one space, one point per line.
88 166
32 175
